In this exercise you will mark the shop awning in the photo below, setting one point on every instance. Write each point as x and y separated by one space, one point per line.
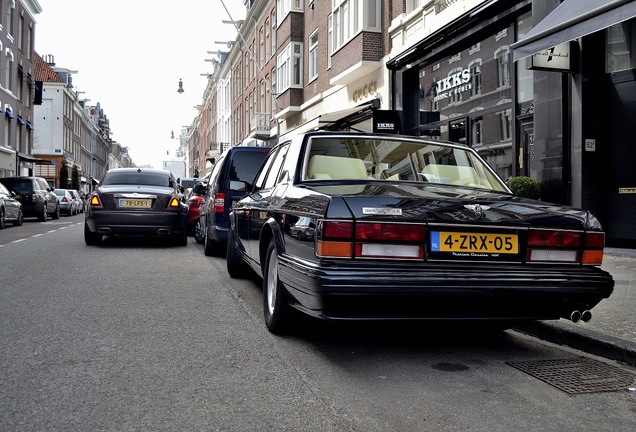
337 119
571 20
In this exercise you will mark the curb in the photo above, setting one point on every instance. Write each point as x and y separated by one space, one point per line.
589 341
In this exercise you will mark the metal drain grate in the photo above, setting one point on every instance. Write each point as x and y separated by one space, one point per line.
578 375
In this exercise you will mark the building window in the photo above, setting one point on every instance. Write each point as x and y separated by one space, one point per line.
273 21
290 67
620 48
20 30
506 125
477 132
313 56
274 92
8 79
350 17
284 7
261 47
411 5
268 41
454 94
503 67
475 76
10 23
330 40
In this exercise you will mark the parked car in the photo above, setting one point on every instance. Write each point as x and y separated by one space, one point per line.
80 200
36 196
68 204
136 201
10 208
230 179
194 202
188 182
407 228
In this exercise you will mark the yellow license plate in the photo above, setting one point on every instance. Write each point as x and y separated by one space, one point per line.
446 241
144 203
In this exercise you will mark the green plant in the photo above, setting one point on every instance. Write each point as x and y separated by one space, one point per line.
63 175
525 187
75 178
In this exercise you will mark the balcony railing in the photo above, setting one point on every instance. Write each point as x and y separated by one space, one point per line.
440 5
259 125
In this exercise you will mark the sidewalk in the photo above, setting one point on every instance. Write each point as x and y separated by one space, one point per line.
612 331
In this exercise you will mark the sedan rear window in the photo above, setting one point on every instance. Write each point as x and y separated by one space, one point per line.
396 160
137 178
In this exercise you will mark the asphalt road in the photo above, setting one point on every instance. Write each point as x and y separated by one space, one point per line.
140 335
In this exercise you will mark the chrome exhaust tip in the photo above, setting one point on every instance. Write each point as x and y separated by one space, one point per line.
586 316
163 231
575 316
104 230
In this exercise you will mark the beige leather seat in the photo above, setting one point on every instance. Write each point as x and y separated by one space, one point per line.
333 167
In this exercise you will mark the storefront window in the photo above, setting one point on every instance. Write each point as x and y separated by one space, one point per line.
621 50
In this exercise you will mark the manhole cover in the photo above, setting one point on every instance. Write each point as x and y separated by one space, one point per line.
578 375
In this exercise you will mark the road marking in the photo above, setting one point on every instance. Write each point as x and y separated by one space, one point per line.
37 235
18 241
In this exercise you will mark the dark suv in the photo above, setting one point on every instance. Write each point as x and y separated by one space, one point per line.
231 178
36 196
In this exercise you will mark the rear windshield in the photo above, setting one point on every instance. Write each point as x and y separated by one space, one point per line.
245 165
20 187
137 178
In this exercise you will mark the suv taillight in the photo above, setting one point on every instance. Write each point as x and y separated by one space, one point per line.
219 202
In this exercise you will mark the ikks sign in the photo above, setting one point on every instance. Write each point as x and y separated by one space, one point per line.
453 84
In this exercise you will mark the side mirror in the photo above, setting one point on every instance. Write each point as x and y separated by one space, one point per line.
238 186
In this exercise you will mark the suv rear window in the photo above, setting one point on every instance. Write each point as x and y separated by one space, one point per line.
245 165
20 187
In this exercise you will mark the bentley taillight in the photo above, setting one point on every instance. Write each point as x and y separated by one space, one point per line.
560 246
174 203
338 239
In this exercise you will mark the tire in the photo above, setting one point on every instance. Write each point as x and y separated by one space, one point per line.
56 213
20 220
44 215
91 238
2 219
199 234
236 267
276 311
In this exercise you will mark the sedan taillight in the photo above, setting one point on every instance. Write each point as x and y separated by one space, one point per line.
560 246
370 240
174 203
95 201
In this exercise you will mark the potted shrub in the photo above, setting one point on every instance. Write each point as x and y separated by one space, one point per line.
525 187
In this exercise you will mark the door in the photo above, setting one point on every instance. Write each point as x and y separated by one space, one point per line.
620 194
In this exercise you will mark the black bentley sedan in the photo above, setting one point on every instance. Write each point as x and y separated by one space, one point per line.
354 226
136 201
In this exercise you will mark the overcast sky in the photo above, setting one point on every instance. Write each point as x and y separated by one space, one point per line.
129 56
